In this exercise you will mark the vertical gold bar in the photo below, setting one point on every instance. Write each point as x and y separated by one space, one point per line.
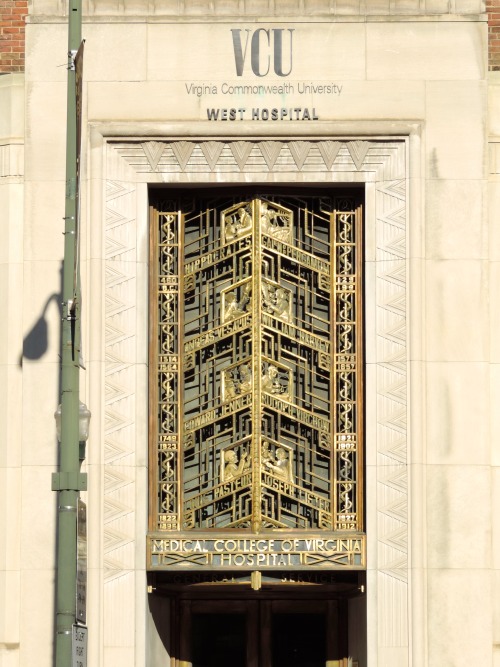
333 382
180 366
256 369
360 439
153 366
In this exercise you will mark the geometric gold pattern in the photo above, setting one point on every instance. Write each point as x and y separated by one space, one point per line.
256 365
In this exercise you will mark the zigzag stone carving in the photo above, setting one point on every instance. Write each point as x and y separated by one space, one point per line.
274 156
392 476
119 428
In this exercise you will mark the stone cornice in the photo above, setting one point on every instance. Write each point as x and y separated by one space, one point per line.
265 10
323 18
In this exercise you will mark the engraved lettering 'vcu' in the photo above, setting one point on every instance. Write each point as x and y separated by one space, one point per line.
257 386
265 45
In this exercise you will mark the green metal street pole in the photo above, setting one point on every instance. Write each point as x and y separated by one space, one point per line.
68 482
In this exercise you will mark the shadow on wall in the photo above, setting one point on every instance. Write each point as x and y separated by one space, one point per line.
36 341
35 346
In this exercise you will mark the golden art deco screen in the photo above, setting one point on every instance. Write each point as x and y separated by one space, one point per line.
256 382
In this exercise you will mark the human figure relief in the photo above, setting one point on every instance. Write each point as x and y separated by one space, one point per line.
282 465
230 387
273 223
245 378
233 468
234 307
237 224
271 382
265 453
237 381
276 302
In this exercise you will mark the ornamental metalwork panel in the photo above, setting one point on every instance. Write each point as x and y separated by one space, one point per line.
166 275
256 387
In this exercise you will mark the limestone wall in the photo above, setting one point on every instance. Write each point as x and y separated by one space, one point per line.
405 114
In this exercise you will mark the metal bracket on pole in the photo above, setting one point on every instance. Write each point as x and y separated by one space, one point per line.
69 481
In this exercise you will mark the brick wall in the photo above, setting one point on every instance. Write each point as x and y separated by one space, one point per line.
493 9
12 15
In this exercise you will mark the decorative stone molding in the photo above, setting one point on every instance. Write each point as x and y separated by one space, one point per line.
120 385
381 164
262 156
212 9
391 380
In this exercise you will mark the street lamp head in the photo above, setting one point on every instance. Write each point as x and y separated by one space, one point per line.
83 422
84 415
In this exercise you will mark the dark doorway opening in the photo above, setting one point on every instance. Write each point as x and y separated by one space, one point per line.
262 633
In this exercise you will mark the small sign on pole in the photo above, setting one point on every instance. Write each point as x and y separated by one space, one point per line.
81 563
79 646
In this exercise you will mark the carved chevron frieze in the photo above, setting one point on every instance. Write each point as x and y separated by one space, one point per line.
275 156
329 151
153 151
299 151
211 151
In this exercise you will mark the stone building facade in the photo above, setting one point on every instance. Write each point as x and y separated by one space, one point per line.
397 102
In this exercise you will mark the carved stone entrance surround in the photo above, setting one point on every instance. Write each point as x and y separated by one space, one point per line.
124 160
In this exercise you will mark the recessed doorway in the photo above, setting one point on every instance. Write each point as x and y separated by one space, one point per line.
261 633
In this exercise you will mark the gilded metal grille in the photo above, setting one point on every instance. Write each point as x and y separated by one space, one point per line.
257 362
